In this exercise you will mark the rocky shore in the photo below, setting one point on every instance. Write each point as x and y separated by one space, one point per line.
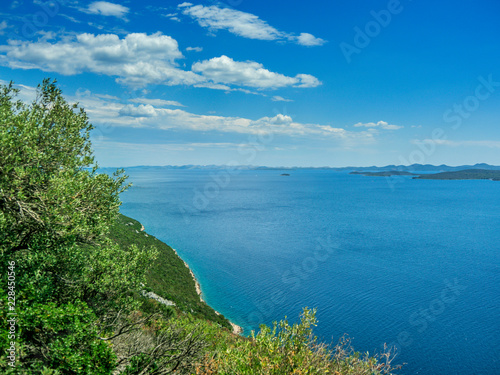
236 328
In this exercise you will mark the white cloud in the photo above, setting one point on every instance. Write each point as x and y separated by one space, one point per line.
72 19
163 118
107 9
46 35
138 111
224 70
278 98
307 80
243 24
157 102
309 40
279 124
139 59
195 49
379 124
3 26
105 110
240 23
27 94
106 96
172 16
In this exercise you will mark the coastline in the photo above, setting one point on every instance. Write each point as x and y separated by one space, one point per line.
237 330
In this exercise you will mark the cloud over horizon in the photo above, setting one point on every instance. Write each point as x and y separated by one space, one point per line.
149 116
380 124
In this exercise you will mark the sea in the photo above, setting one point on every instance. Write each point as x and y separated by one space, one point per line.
413 264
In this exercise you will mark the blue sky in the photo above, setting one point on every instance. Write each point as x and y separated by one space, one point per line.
281 83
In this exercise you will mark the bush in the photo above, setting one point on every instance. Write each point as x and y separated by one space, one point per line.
285 349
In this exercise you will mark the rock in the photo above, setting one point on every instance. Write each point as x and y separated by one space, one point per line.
156 297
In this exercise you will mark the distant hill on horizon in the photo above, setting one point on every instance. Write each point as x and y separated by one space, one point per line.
400 168
385 173
466 174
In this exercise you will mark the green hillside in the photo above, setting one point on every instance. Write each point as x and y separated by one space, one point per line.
167 276
467 174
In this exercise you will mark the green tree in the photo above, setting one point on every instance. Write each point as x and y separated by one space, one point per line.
55 213
48 194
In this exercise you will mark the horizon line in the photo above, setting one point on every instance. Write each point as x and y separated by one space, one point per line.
299 167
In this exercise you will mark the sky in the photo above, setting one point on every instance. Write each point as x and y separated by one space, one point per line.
274 83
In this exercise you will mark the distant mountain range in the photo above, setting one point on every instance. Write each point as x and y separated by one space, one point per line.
401 168
424 168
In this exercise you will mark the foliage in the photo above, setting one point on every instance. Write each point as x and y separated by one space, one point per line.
60 334
161 346
466 174
55 213
168 276
285 349
46 194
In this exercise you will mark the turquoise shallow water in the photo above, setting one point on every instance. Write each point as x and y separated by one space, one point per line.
415 263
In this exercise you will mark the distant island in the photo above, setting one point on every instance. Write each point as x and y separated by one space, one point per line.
385 173
468 174
480 171
408 168
465 174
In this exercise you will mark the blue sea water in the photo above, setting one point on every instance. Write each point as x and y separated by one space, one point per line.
411 263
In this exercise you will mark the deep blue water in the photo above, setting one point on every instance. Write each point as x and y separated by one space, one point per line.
416 265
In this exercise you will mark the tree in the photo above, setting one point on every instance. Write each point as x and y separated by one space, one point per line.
55 213
49 188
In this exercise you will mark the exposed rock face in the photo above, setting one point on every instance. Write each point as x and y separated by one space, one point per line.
156 297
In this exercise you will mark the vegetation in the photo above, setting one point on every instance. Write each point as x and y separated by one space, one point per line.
167 276
467 174
291 349
74 272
